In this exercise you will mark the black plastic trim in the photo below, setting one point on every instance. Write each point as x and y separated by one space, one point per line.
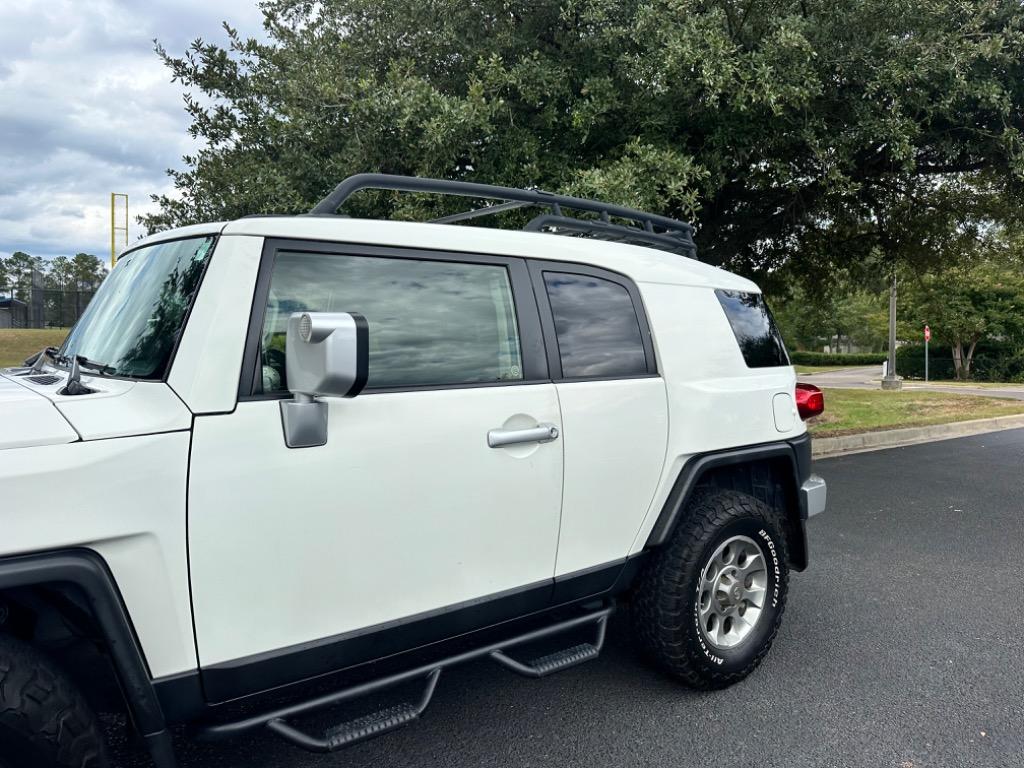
181 696
802 453
362 355
531 338
537 270
697 465
588 582
87 571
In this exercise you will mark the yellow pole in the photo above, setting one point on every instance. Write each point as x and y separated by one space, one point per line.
113 244
114 229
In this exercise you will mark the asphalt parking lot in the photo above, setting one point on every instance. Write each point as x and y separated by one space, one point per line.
901 647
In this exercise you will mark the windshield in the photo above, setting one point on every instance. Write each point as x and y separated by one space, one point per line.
132 324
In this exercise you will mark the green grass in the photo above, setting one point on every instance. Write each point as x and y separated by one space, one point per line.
821 368
849 411
969 384
18 344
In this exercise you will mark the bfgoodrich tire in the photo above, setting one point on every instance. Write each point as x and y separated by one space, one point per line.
44 721
708 606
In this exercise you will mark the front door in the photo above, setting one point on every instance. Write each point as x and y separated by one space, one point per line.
407 509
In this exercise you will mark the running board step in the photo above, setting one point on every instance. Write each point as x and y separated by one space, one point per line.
360 729
394 717
557 661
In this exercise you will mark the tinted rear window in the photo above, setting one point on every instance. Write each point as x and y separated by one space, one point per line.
755 330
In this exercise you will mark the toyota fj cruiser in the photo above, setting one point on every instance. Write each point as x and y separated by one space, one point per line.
296 447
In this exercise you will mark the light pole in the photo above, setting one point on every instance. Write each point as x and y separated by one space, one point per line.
890 380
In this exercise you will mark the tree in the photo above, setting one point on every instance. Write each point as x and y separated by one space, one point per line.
87 272
20 267
967 303
806 132
60 275
845 316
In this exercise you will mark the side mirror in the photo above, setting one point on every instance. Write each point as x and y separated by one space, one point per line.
326 355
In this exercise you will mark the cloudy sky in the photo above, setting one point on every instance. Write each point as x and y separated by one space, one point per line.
87 109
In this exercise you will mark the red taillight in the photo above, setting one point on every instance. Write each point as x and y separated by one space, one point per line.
810 401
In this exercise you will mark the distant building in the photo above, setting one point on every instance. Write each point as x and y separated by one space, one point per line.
13 313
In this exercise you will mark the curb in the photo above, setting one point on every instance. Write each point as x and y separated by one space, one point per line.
826 447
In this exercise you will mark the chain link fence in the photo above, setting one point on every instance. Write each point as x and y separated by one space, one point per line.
32 304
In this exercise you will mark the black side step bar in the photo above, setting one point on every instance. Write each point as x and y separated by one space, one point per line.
395 717
556 662
346 734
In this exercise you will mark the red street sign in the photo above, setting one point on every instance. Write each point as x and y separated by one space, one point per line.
927 333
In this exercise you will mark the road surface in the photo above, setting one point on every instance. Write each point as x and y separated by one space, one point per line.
901 648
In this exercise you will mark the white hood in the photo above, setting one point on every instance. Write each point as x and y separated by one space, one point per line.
27 418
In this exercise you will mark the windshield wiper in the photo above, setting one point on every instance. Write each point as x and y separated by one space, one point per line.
38 360
83 362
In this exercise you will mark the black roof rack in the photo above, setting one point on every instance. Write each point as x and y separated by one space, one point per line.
647 229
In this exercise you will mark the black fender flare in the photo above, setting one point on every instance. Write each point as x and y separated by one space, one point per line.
85 570
796 454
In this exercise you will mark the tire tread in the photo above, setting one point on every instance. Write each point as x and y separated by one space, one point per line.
41 709
662 608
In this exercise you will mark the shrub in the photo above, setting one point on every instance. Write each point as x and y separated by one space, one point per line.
993 361
827 358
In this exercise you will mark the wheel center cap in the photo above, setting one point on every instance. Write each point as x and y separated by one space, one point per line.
737 593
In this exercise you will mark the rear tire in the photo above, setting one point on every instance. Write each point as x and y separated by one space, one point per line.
708 606
44 721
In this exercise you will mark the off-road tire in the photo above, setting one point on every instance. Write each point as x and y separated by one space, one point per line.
666 598
44 721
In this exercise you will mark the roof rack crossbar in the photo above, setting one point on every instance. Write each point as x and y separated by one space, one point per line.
476 213
674 235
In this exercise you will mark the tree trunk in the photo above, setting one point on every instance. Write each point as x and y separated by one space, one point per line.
969 359
958 352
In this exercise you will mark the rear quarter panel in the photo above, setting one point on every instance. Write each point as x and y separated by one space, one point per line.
714 400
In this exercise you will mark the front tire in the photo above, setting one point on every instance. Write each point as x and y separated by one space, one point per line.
44 721
709 605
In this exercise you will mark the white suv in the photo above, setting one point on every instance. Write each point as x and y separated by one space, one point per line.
285 447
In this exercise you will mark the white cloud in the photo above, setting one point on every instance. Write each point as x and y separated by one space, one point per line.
87 109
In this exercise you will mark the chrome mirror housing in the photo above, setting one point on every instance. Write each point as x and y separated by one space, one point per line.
326 355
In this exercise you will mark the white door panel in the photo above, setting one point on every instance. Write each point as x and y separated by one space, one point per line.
614 440
405 510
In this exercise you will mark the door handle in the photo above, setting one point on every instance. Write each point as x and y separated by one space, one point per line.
542 433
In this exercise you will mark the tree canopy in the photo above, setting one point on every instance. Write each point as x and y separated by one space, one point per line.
969 303
84 273
803 133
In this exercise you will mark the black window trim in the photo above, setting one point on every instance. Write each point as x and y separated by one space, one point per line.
531 336
539 267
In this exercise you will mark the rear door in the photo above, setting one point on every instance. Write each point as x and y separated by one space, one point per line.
614 412
407 526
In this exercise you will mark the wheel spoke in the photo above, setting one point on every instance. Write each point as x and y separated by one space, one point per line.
755 595
735 563
754 564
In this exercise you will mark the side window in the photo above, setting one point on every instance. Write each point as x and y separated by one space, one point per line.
431 322
596 326
754 328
